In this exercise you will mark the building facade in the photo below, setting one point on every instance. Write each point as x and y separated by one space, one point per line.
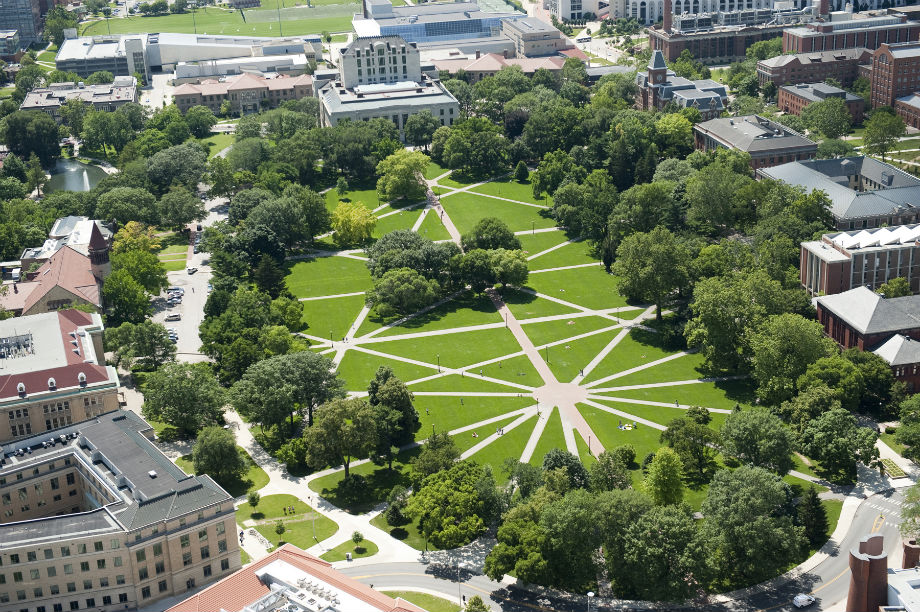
902 354
864 192
863 319
53 373
10 45
895 72
842 65
25 16
842 261
381 77
659 87
767 142
96 518
491 63
534 38
794 98
718 45
429 22
104 97
246 93
869 32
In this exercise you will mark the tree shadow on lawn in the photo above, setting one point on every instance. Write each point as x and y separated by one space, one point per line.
519 298
374 490
475 302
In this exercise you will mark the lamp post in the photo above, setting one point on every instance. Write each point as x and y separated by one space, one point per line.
314 518
590 597
439 363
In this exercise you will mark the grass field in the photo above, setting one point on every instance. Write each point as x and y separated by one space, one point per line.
513 190
217 143
212 20
464 310
365 549
431 603
551 438
252 480
587 287
510 446
525 305
465 209
334 315
407 534
319 276
432 228
446 413
299 527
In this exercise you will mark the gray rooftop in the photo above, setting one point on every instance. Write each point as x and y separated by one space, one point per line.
818 92
753 133
657 60
869 313
906 49
115 448
381 96
901 193
899 350
531 25
815 57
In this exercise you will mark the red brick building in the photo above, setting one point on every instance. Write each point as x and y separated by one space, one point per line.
861 258
842 65
794 98
863 319
869 32
247 93
722 45
903 355
895 72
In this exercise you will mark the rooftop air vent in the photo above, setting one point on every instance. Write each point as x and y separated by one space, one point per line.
81 378
21 389
52 384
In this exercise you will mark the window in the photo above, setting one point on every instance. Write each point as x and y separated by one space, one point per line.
71 479
103 582
81 549
17 576
71 587
205 552
65 551
159 567
91 602
224 565
120 579
55 590
222 546
186 559
115 545
122 597
117 562
145 592
14 559
100 564
220 528
75 605
32 556
49 554
37 592
162 586
97 546
157 550
106 600
142 573
87 585
4 598
202 535
84 566
207 570
52 571
20 595
68 568
33 575
184 540
141 555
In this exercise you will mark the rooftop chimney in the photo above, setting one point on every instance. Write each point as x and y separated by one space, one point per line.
666 18
823 9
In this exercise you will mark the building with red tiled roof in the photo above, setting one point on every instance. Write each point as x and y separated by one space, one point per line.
291 576
247 93
490 63
53 372
67 278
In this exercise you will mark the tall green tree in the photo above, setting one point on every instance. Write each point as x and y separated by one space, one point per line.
402 291
813 517
353 224
693 442
344 430
758 437
839 444
830 117
184 395
663 481
652 266
402 176
490 233
447 507
420 128
438 453
125 299
883 128
215 453
896 287
146 344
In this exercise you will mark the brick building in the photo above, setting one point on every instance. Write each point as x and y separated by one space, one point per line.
103 97
95 518
54 373
247 93
862 318
895 72
767 142
861 258
718 45
794 98
869 32
902 353
842 65
659 87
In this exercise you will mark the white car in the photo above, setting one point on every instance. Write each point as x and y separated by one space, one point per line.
174 316
802 600
191 270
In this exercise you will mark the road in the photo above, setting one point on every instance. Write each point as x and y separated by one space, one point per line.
828 582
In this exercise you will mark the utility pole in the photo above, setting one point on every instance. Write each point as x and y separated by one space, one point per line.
278 5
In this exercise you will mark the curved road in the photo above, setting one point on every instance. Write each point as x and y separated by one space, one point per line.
828 581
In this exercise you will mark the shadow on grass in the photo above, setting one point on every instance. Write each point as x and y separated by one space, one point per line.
376 487
512 297
469 301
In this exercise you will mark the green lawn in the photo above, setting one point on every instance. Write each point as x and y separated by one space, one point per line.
537 242
455 179
566 360
335 315
173 249
896 446
379 481
173 265
432 228
545 332
551 438
724 394
455 350
465 310
321 276
244 557
434 170
586 287
509 445
254 479
465 209
573 254
217 143
658 414
518 370
509 188
632 351
584 453
604 425
682 368
408 533
524 305
366 194
446 413
431 603
402 219
357 369
365 549
336 18
299 526
456 382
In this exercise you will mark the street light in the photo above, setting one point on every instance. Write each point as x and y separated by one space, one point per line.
439 363
590 596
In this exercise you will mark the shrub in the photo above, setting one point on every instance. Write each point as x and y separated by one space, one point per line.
254 498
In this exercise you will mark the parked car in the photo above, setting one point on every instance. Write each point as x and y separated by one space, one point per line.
175 290
802 600
174 316
195 250
198 227
191 270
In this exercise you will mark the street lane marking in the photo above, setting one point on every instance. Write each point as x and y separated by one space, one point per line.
879 521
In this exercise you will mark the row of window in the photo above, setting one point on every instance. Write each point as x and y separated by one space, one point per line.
35 471
68 568
69 587
58 607
80 549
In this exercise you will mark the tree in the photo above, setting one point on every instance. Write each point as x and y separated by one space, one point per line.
665 557
27 132
183 164
215 453
783 348
693 443
509 267
253 499
438 453
758 437
712 196
57 20
652 266
831 117
184 395
125 204
420 128
200 120
269 277
750 528
144 267
72 113
813 517
344 430
674 135
839 444
402 291
402 175
124 299
35 175
100 77
134 236
521 173
575 469
102 129
476 604
146 344
179 207
282 386
353 224
896 287
490 233
663 481
221 178
447 507
610 472
883 128
839 374
910 513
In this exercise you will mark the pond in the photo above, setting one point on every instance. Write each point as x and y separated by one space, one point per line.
73 175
